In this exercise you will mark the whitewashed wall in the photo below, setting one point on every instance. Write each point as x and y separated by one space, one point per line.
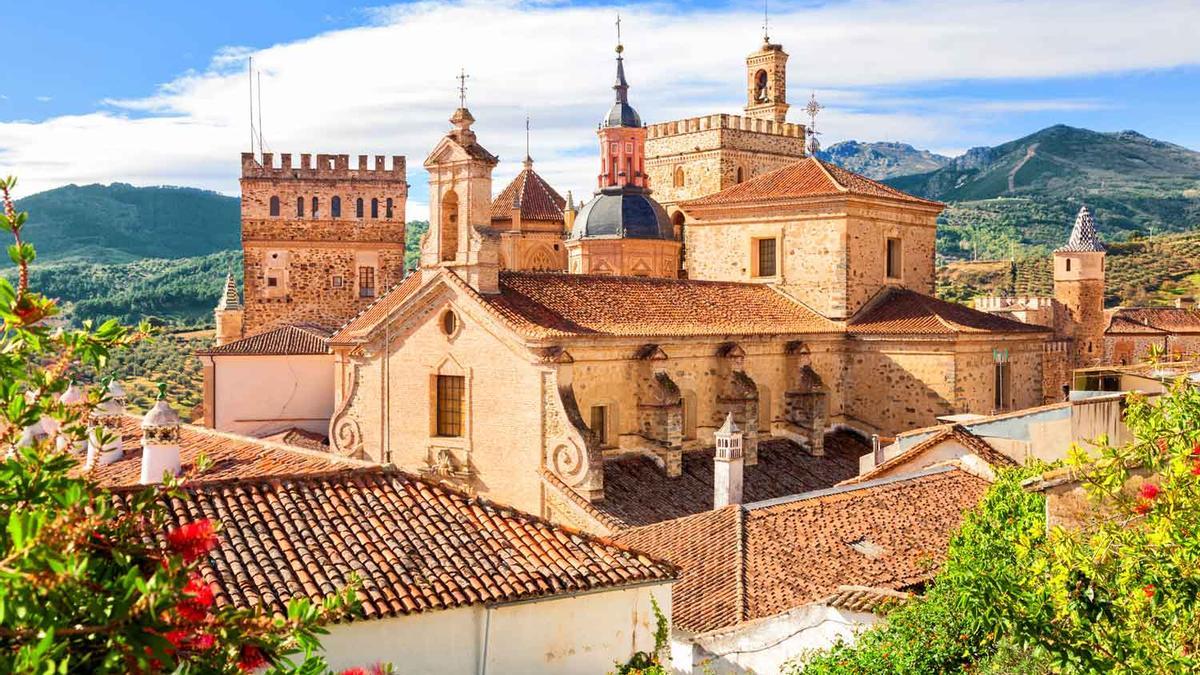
258 395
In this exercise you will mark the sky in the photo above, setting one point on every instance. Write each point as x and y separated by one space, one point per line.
156 93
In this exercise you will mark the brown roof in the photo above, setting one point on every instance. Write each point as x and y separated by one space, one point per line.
291 340
976 445
901 311
301 438
809 177
416 546
638 492
229 455
742 563
362 323
1167 319
532 195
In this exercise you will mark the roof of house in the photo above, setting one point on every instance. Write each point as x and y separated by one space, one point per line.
809 177
415 545
1165 319
288 340
1084 238
228 455
901 311
747 562
301 438
952 432
532 196
638 492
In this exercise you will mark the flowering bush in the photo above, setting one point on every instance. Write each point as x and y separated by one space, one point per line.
87 585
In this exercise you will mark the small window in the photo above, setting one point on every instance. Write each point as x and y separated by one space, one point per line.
366 282
894 259
599 423
629 147
272 282
739 175
275 206
449 323
450 395
1000 385
374 208
1068 264
615 148
299 206
388 211
338 281
680 179
316 204
765 250
358 208
335 207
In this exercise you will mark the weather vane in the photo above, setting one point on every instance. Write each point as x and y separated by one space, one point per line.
462 87
812 109
619 47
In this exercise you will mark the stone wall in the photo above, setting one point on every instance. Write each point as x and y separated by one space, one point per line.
625 257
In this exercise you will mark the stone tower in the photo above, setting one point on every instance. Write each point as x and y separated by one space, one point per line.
1079 286
229 314
766 83
460 206
319 241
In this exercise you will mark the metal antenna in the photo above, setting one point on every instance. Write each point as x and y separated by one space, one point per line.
766 23
250 78
462 87
260 126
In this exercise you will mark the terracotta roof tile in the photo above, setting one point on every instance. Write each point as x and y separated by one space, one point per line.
416 546
757 560
301 438
377 311
530 193
638 492
297 339
230 456
1166 319
809 177
899 311
976 445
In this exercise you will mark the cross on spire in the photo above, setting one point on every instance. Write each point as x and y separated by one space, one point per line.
619 47
528 157
462 87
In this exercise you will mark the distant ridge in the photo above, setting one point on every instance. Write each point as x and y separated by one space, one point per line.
882 160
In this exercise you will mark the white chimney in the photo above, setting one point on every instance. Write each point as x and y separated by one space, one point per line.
877 449
727 465
106 421
160 441
73 396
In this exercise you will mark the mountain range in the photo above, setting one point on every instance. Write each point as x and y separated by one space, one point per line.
882 160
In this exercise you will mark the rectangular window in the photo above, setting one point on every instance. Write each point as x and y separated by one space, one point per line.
337 281
766 262
599 423
451 390
272 282
1001 384
366 282
894 259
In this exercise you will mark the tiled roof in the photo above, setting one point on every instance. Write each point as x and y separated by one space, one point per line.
229 456
229 298
530 193
552 304
976 445
291 340
742 563
638 492
864 598
301 438
901 311
809 177
1122 325
362 323
1084 238
1167 319
416 546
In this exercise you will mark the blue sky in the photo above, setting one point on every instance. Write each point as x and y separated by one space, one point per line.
155 92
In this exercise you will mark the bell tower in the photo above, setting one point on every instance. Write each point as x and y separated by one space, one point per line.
1079 287
766 82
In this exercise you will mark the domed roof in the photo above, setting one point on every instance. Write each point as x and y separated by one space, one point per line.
623 212
621 114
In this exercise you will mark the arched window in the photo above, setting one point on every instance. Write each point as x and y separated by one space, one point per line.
739 176
760 87
388 209
448 227
335 207
358 208
275 206
374 208
315 205
680 180
299 206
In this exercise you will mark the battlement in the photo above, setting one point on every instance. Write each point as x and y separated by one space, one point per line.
1026 302
724 121
325 166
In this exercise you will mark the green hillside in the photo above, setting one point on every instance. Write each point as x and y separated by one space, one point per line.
122 223
1025 193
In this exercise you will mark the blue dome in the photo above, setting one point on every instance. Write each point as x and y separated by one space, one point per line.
623 213
621 114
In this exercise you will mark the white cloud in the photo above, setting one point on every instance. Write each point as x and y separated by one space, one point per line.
387 87
43 99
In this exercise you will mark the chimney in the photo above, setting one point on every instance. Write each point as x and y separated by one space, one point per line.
1185 302
160 440
106 421
72 397
877 449
727 465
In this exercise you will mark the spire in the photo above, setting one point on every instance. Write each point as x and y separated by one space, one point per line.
1084 238
621 86
766 24
528 158
621 114
229 299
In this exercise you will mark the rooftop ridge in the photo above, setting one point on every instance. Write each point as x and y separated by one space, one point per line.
325 166
843 489
724 121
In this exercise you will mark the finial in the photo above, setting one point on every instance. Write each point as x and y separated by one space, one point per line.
162 391
812 109
620 47
766 24
462 87
528 157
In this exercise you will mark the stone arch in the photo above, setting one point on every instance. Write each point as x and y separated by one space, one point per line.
275 206
448 227
739 175
335 207
680 178
761 86
541 258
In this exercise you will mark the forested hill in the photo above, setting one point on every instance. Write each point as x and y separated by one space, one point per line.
123 223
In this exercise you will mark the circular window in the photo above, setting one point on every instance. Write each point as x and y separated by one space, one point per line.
449 323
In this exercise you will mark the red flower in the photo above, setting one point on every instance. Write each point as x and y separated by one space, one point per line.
1149 491
251 658
193 540
204 642
1148 589
198 597
1196 468
178 637
1162 445
1196 450
1142 507
376 669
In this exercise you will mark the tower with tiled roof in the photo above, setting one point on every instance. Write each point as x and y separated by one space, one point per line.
229 314
1079 286
623 230
529 216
